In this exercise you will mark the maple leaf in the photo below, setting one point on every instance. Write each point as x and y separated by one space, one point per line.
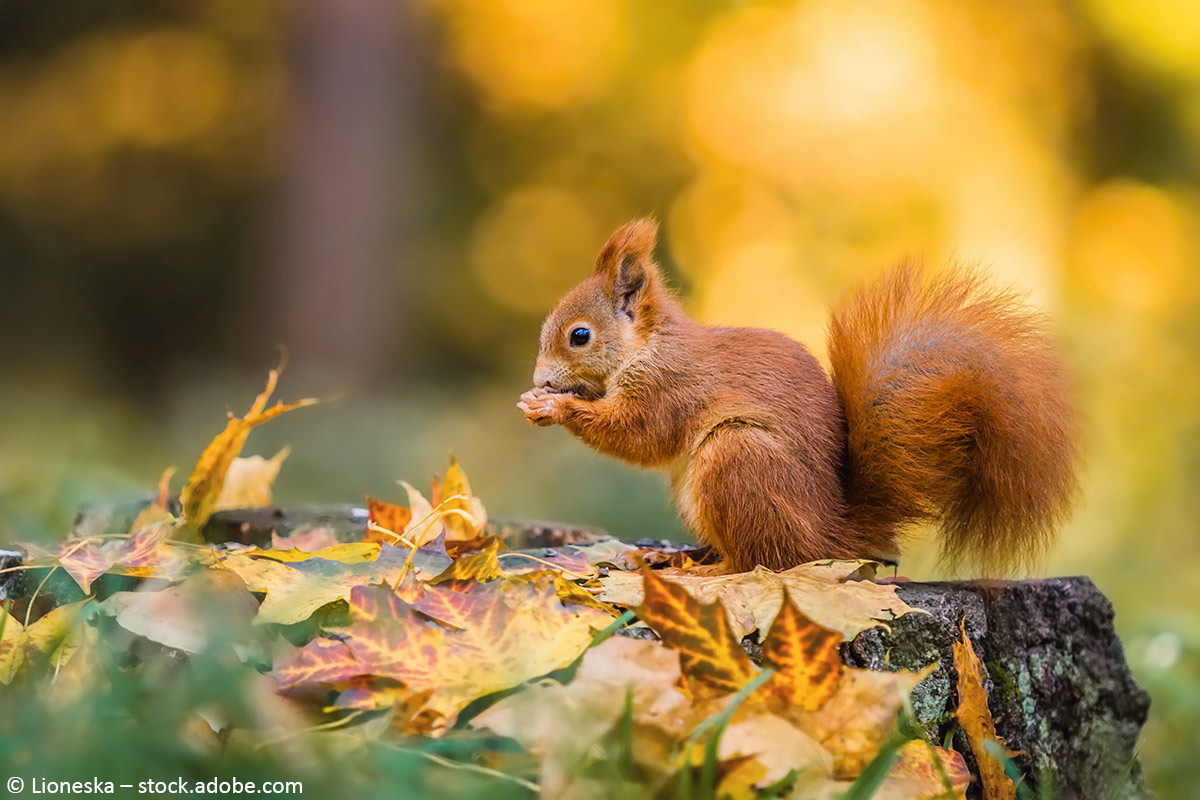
860 715
922 765
483 566
249 480
914 775
200 495
143 553
294 590
710 655
564 725
976 719
345 552
808 665
752 599
53 638
510 632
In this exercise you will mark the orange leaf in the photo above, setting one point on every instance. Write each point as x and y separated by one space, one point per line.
976 719
805 656
710 656
386 515
917 765
199 496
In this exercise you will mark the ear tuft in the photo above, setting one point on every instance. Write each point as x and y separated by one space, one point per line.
626 263
634 240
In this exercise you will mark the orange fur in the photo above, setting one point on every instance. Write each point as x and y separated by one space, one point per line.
948 403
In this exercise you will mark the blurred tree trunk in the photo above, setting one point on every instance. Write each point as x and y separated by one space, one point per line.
339 246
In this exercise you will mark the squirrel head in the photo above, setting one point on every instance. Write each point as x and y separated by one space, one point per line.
605 320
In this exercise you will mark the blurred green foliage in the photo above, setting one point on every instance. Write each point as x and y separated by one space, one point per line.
398 192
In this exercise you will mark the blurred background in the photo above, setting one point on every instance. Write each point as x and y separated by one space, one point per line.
398 192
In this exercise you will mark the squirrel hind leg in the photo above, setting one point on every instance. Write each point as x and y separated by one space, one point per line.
749 496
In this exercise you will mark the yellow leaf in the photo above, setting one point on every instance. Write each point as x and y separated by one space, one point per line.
346 552
482 566
466 518
199 496
249 480
976 720
12 645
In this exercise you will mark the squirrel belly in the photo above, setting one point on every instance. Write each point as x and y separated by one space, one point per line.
947 404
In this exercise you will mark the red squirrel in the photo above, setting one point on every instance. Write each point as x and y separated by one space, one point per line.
947 403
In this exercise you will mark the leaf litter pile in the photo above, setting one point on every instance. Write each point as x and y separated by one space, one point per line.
598 669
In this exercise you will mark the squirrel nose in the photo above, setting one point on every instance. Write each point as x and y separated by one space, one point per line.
541 376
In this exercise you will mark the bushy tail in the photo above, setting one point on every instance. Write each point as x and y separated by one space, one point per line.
958 411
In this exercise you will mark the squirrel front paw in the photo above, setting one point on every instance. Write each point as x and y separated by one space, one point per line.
544 407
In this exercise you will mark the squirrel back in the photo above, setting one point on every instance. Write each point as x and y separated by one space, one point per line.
948 403
958 412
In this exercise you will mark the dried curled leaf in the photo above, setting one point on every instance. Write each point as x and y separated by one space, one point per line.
710 655
976 719
200 495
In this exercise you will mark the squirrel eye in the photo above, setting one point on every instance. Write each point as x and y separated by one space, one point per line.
579 337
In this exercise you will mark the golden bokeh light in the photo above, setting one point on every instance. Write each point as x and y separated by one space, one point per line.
527 55
532 245
1132 247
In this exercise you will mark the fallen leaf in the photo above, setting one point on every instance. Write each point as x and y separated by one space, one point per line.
465 516
187 616
482 566
200 495
710 655
512 632
52 638
386 515
808 665
774 742
976 720
12 645
249 480
345 552
860 716
309 539
752 599
918 764
147 549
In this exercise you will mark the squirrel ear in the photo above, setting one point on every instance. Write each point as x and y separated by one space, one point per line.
626 263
